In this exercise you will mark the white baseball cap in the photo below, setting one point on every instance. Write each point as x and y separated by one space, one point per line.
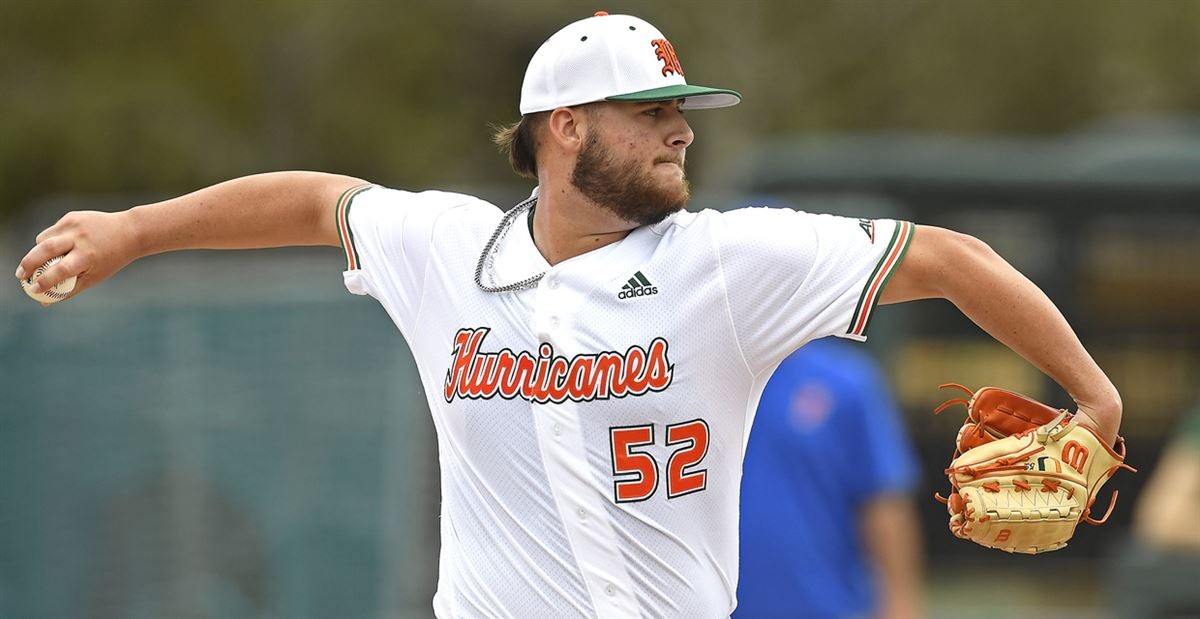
614 58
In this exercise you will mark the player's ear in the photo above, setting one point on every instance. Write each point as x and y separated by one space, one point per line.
566 128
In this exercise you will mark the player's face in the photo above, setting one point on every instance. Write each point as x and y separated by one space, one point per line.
632 161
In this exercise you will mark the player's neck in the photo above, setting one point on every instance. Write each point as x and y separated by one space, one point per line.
566 224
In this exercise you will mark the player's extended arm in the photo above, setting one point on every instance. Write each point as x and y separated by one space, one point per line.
277 209
893 543
962 269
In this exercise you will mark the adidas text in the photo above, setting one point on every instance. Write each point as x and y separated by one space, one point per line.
637 292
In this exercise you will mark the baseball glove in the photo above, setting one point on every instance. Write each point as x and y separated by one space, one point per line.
1024 474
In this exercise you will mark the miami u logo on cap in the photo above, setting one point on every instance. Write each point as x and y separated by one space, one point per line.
664 51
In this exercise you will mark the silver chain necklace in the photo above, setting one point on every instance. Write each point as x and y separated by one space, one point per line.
487 257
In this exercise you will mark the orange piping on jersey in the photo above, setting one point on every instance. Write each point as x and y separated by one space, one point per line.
893 257
345 234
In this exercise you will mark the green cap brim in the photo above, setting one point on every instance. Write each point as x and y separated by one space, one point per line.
696 97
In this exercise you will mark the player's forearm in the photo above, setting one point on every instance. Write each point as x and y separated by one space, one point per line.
1017 313
265 210
892 540
1012 309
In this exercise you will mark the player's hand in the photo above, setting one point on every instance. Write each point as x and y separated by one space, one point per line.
94 246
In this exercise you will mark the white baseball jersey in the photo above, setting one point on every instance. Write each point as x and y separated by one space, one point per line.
591 430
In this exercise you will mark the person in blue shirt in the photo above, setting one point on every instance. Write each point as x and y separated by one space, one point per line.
828 525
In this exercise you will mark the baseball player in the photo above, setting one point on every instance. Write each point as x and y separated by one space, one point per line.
593 357
828 523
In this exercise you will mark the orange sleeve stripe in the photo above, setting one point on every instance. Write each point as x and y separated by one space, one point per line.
883 273
345 233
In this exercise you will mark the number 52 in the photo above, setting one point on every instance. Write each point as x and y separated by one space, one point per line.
635 472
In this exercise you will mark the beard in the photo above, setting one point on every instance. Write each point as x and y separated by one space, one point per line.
620 187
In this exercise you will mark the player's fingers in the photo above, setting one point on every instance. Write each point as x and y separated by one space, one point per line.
51 247
66 225
52 231
70 266
43 251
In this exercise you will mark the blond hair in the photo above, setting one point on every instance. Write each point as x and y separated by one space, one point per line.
519 142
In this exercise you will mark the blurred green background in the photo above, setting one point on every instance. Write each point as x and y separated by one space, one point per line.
160 96
233 435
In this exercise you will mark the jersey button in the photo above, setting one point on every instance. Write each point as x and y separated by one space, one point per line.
582 513
557 430
553 284
609 589
554 321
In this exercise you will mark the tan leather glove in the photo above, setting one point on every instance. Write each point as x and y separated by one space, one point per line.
1024 474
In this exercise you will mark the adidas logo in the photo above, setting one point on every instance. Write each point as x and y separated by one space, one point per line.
637 286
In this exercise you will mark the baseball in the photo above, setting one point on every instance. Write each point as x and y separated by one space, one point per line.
52 295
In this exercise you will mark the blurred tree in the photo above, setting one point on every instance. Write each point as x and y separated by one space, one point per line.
152 97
